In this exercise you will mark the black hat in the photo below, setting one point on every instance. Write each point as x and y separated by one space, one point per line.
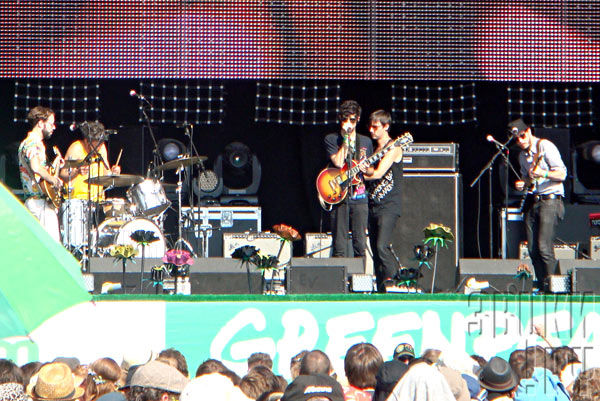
497 375
308 386
388 376
404 349
517 127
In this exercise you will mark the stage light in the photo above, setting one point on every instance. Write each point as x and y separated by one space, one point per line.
170 149
590 151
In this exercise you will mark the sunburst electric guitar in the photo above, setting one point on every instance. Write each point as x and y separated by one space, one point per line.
333 183
49 190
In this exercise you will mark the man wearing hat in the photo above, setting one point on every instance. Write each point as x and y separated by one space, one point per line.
404 352
498 378
157 381
55 381
542 176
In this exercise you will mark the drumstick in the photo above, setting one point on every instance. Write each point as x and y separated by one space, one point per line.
119 157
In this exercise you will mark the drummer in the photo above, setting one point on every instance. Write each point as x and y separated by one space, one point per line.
94 137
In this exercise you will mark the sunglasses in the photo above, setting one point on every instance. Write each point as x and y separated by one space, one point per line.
351 119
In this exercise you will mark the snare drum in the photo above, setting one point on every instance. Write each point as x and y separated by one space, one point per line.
117 232
149 198
73 219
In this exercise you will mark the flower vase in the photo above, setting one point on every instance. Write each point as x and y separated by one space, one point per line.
124 261
142 268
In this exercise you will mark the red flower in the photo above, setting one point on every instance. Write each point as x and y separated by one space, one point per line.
178 257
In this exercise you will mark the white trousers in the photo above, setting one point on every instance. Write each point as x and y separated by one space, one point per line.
46 214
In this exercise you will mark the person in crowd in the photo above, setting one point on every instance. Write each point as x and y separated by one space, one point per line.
215 366
361 365
404 353
457 384
315 387
542 176
30 369
156 381
587 386
177 357
351 213
499 380
260 380
295 363
538 382
260 359
316 362
422 382
55 381
104 377
212 386
566 366
37 177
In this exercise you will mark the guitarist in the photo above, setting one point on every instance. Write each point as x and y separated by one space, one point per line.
343 147
384 200
33 167
542 174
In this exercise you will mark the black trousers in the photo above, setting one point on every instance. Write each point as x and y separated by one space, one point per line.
358 214
381 230
541 221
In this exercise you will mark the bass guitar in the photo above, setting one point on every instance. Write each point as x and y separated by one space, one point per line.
53 193
333 183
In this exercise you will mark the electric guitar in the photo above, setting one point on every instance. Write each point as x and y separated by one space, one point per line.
53 193
527 199
333 183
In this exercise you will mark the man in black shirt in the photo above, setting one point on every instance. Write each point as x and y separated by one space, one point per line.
343 146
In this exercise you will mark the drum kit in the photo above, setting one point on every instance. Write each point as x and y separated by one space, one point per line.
143 209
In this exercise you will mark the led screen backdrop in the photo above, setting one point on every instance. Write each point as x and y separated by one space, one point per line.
555 40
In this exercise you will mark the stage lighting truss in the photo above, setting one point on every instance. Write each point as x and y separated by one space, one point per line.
301 102
430 104
183 101
551 105
71 100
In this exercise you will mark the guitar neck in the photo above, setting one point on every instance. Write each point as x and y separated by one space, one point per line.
404 140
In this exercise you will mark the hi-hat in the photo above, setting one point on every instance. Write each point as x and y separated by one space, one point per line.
182 162
123 180
74 163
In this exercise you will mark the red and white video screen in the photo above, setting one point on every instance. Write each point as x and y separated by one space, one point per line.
548 40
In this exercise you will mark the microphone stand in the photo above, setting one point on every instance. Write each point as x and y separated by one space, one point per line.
157 158
489 168
189 132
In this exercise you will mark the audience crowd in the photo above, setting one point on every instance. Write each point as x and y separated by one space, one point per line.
534 373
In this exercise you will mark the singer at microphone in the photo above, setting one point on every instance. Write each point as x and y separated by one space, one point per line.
92 156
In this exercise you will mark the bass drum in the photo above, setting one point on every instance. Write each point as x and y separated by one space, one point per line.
117 232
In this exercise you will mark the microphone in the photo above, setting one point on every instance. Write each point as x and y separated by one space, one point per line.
491 139
75 125
133 93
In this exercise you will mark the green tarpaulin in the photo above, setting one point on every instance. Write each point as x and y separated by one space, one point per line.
38 276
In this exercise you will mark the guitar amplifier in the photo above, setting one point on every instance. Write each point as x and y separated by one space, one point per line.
434 157
561 251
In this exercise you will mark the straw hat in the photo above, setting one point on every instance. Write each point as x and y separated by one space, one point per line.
54 381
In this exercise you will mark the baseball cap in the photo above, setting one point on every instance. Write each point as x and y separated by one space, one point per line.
517 127
404 349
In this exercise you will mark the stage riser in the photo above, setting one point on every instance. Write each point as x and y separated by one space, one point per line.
228 276
585 277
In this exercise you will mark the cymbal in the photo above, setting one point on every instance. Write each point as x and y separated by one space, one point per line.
182 162
73 163
123 180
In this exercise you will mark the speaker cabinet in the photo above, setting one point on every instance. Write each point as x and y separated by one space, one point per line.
500 273
585 275
317 279
207 276
430 198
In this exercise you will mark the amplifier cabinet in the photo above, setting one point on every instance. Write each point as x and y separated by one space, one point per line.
268 244
318 245
595 247
204 228
561 251
431 157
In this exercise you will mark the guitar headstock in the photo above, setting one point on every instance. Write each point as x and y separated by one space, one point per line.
405 139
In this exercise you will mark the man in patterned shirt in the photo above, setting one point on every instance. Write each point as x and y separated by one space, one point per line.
34 167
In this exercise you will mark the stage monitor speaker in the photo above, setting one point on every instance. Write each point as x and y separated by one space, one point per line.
430 198
352 265
317 279
500 273
207 276
585 275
